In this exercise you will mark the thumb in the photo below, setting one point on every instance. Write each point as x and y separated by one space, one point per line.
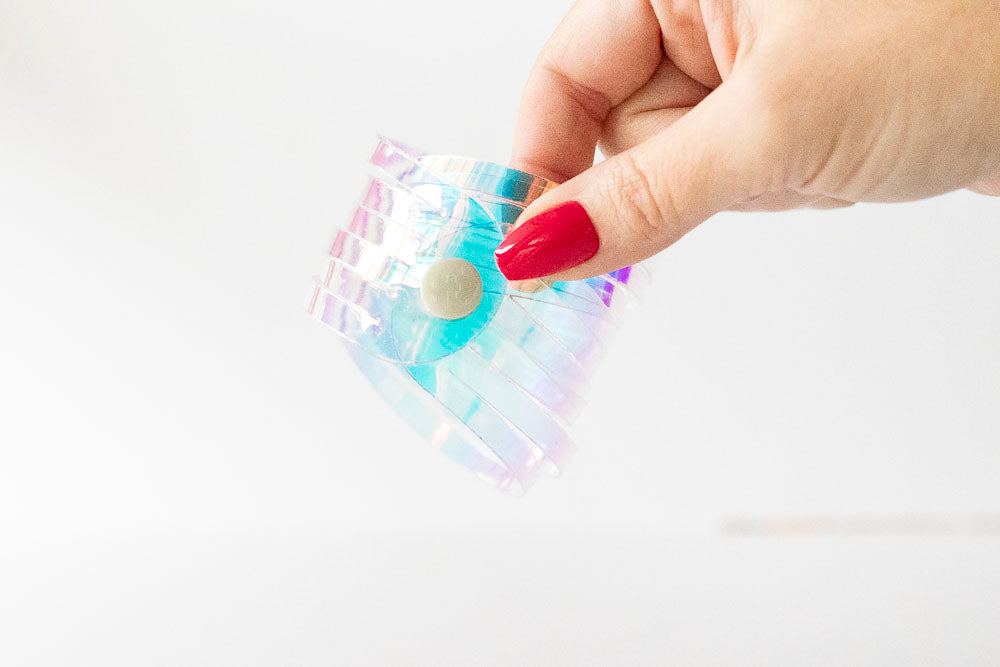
639 202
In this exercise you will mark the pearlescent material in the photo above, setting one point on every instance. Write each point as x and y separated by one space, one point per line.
495 381
451 289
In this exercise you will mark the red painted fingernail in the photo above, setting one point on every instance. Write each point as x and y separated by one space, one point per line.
552 241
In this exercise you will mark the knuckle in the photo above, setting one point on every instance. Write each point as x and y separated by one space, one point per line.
594 104
640 203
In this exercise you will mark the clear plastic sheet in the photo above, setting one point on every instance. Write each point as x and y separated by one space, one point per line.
496 390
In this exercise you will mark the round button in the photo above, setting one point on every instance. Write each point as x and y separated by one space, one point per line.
451 289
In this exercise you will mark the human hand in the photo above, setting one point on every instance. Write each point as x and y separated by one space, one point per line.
710 105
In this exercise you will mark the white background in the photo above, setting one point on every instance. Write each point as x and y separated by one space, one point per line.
193 473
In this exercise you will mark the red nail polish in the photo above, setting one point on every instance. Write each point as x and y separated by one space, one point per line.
552 241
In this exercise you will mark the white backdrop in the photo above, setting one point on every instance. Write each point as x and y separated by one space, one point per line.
193 473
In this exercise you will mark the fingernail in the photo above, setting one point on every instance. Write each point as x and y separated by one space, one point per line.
552 241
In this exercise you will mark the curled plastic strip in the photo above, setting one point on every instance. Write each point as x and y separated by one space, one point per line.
498 389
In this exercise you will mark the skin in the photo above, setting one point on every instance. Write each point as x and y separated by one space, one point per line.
712 105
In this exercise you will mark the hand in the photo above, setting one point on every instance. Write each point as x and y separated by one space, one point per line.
704 106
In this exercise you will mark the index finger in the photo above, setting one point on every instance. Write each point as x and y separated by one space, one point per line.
601 53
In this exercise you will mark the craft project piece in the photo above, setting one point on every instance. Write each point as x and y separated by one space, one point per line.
491 376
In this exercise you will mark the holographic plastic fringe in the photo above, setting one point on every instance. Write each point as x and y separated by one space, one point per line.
497 390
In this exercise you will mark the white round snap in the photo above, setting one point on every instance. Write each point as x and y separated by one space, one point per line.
451 289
